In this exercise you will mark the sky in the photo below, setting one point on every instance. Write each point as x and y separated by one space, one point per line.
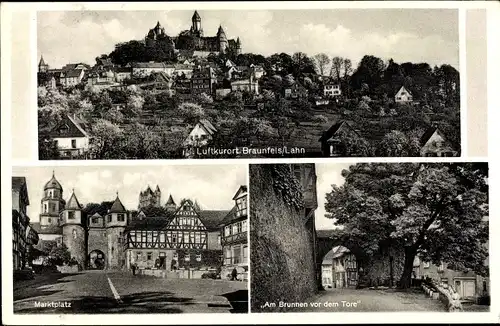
213 186
416 35
327 175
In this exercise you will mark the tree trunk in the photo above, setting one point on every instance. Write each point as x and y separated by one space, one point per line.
405 281
391 269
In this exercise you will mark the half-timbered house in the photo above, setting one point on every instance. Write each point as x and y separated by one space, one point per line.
187 239
234 237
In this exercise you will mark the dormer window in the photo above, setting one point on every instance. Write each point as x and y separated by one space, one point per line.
95 220
71 215
121 217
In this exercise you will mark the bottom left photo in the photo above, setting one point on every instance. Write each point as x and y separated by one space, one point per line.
130 239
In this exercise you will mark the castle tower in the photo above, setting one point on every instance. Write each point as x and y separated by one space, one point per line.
196 27
74 236
42 66
170 205
238 46
116 222
52 204
222 39
157 196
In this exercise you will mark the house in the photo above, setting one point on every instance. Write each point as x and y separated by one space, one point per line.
70 137
158 80
185 70
23 235
123 73
249 84
257 71
344 268
327 273
332 139
468 284
296 91
143 69
47 80
321 101
403 96
434 144
234 237
203 80
201 134
71 77
331 90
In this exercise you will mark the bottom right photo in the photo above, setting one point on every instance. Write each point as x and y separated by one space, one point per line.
369 237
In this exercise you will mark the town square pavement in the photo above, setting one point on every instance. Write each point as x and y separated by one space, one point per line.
121 292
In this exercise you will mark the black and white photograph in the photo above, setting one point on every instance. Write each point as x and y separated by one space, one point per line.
141 239
369 237
248 83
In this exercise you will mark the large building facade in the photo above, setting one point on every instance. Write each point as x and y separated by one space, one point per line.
23 235
182 239
193 39
235 237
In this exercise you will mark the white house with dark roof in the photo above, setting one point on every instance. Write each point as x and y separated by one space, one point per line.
434 143
201 134
70 137
403 96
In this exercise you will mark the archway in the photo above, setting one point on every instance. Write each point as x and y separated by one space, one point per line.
97 260
338 262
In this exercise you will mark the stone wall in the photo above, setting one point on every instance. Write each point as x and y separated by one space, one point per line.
97 240
115 251
282 259
74 238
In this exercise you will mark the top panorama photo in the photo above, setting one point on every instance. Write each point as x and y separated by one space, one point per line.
248 84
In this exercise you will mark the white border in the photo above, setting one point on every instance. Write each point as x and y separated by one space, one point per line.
257 318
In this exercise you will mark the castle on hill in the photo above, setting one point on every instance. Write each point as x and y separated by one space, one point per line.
193 39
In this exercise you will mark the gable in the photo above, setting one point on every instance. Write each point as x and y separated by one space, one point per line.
68 128
186 217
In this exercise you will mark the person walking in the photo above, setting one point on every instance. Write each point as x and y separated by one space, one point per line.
133 268
234 275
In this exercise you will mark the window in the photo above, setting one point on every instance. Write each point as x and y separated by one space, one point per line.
49 220
235 228
110 218
187 258
73 143
186 238
227 230
237 255
219 239
444 280
244 226
197 237
121 217
162 237
95 220
174 238
485 286
150 256
176 256
149 237
71 215
64 129
245 252
56 143
52 207
198 257
399 97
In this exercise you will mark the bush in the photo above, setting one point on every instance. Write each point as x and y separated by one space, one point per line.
319 118
210 275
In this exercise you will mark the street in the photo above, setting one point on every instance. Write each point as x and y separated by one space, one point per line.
121 292
364 300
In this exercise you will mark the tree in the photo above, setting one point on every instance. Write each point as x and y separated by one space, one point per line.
191 112
369 71
321 63
394 143
106 140
433 210
58 254
336 70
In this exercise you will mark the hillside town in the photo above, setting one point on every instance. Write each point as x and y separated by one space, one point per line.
172 241
197 96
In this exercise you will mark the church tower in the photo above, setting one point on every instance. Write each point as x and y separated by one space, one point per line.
52 204
196 27
74 236
170 205
116 222
42 66
238 46
222 39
